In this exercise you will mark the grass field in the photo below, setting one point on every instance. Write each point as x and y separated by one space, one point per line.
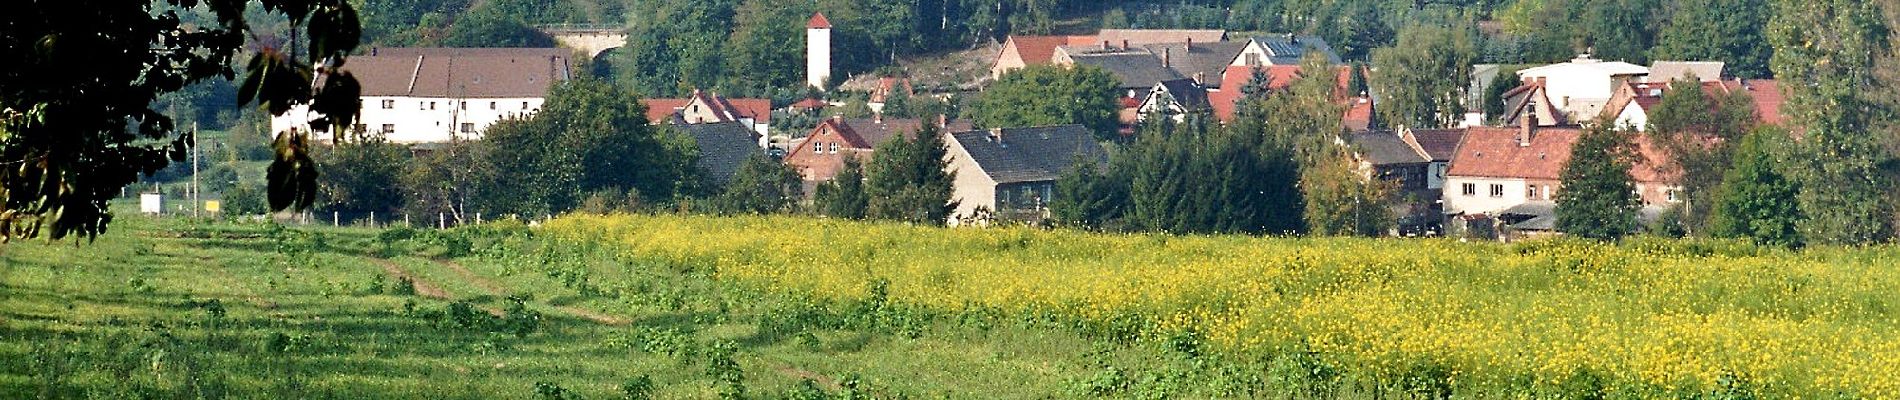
701 307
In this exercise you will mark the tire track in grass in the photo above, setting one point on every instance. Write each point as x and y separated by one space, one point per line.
494 289
424 288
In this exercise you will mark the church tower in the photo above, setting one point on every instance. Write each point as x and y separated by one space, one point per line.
818 51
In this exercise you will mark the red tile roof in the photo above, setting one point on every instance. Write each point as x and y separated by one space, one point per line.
1767 96
1041 50
661 110
759 110
818 21
1236 77
1359 115
810 104
1494 152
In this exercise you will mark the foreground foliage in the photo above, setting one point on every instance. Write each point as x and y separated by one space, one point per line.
1649 318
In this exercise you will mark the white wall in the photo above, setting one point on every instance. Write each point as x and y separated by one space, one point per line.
971 188
1481 202
1633 117
817 57
412 120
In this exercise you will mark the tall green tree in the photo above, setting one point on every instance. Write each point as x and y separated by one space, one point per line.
1718 30
1423 79
486 27
1757 201
1699 132
907 181
362 176
1598 199
1087 198
761 186
78 121
844 196
588 136
1051 95
1828 48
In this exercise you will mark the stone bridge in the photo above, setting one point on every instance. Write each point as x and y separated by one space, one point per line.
588 38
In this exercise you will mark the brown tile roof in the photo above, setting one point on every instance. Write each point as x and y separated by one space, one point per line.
460 73
1767 96
1439 144
866 134
1041 50
886 85
1495 153
1141 37
1235 77
665 110
1358 115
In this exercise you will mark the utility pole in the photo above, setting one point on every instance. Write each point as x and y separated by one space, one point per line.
195 204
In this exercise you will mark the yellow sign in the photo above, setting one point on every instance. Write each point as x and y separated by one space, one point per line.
211 205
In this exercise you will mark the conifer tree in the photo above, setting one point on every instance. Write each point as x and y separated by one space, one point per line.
844 195
908 181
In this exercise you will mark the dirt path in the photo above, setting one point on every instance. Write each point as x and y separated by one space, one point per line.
422 287
495 289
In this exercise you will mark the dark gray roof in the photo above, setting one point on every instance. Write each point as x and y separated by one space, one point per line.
1189 95
1287 49
722 148
1441 144
1135 70
1208 59
1030 154
1385 148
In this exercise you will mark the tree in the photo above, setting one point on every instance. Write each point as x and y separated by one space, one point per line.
1051 95
1830 48
908 180
486 28
1423 79
1087 198
1725 30
1598 199
77 92
1340 201
1699 142
588 136
761 186
844 196
362 176
1494 94
446 180
1756 200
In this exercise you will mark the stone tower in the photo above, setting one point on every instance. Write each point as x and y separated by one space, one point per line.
818 51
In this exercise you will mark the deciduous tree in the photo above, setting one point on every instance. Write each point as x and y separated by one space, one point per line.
1757 201
1828 48
1598 200
1051 95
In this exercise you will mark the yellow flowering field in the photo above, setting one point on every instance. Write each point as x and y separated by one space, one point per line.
1648 315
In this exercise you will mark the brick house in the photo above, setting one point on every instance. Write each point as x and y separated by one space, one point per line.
820 154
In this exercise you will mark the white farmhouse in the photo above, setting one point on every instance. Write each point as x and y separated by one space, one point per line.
433 95
1582 86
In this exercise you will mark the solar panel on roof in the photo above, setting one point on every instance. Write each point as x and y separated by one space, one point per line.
1284 49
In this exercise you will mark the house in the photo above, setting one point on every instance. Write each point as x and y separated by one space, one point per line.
711 108
819 155
436 95
1135 69
887 86
1021 51
1582 86
1010 174
1175 99
1483 76
1530 104
1288 49
1386 156
1143 37
1359 114
1514 173
1437 145
1204 62
723 147
1634 101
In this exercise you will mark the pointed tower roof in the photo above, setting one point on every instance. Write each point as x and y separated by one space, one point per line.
818 21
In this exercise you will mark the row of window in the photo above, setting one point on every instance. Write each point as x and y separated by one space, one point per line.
1534 192
824 148
430 105
389 129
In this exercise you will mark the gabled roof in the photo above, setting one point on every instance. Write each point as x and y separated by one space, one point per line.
1289 49
1234 78
460 73
1205 59
1135 70
887 85
1041 50
1531 97
1184 92
1029 154
1584 63
1358 114
1495 153
1767 96
724 109
867 134
1438 144
1384 148
810 104
722 147
818 21
1706 71
1141 37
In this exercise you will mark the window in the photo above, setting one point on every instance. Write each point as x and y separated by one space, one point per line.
432 105
491 105
1530 192
422 105
462 104
1672 195
468 127
1497 190
818 148
1253 59
389 129
524 105
389 104
834 148
1470 189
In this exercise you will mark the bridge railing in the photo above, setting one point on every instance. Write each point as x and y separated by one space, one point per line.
581 27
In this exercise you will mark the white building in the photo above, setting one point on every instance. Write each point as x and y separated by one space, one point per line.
1582 86
818 51
432 95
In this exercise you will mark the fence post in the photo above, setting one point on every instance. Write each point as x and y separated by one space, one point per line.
441 221
405 221
372 219
336 218
478 218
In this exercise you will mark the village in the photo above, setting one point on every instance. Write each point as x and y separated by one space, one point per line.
1497 175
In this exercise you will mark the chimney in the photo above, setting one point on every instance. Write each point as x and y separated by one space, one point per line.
1167 57
1124 44
1190 44
1105 46
837 118
996 135
1525 130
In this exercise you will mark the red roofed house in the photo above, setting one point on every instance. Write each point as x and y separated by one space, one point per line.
820 155
1633 101
1513 173
711 108
1359 113
1023 51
